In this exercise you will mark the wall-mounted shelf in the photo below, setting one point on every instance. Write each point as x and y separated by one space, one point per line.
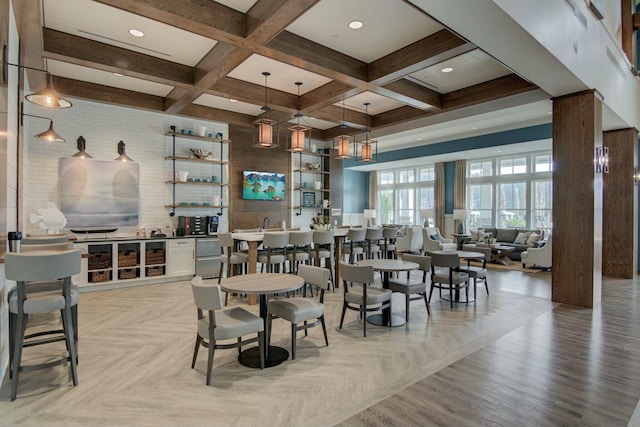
198 137
197 206
321 173
218 184
315 171
193 159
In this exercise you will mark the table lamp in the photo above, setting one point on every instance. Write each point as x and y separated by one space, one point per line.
427 215
461 216
369 215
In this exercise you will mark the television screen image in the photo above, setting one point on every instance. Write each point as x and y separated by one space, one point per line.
263 185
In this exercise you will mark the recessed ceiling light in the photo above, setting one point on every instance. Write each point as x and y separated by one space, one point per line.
118 74
447 69
355 25
136 33
233 100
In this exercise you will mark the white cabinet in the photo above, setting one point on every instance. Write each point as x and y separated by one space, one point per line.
181 257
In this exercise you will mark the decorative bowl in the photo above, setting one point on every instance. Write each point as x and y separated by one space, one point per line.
312 166
199 153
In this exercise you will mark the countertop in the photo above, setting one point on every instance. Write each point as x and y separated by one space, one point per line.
92 238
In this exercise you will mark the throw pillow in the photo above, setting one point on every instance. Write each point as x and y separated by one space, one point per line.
533 239
521 238
436 237
474 236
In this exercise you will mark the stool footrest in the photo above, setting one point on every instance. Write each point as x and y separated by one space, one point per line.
51 364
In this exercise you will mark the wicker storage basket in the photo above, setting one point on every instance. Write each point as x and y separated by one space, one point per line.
128 273
154 256
127 258
98 260
157 270
99 276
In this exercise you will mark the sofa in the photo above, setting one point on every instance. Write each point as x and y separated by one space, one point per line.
540 257
520 239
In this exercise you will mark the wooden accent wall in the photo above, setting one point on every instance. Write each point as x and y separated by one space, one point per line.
620 203
335 185
244 156
577 200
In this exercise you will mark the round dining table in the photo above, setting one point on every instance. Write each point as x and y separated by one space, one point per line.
387 266
263 284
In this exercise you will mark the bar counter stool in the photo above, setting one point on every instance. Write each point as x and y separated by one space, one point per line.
229 257
34 270
323 248
297 252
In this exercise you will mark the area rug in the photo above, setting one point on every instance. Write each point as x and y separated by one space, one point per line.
515 266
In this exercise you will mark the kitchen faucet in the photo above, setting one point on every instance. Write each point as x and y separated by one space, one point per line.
266 222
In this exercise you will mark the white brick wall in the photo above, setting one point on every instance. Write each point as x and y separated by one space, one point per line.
103 126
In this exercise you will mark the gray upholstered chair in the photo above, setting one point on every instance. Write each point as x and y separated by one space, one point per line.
298 249
230 257
390 234
445 275
372 242
354 245
44 239
43 284
216 324
300 309
410 286
478 273
358 293
323 247
273 253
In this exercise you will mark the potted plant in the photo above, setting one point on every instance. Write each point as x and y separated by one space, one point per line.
320 223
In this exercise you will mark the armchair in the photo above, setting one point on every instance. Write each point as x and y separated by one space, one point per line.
431 243
538 256
411 241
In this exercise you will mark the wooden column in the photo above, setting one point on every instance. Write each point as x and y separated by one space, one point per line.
620 203
577 200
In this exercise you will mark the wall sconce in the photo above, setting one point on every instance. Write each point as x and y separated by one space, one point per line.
122 155
602 160
81 147
48 135
47 97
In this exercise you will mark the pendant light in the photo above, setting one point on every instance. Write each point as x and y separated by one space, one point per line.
342 143
47 97
298 134
264 125
368 145
82 143
122 154
48 135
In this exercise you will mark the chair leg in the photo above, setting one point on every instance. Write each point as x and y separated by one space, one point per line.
21 323
451 291
486 285
69 334
306 334
212 348
344 310
195 351
294 329
324 330
261 345
12 343
220 273
364 319
406 307
426 303
430 293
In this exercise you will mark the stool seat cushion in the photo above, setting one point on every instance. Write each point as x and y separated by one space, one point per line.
42 301
231 323
274 259
236 258
374 295
296 309
407 286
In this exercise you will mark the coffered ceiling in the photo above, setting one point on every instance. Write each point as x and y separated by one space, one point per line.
205 59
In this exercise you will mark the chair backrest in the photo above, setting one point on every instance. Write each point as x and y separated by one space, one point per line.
275 240
42 265
356 274
226 242
246 230
301 238
444 260
356 234
317 277
323 237
390 232
45 239
485 251
373 234
423 261
47 247
206 296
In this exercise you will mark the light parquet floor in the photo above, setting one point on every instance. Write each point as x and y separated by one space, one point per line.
136 346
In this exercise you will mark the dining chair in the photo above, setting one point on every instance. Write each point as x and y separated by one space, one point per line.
478 272
358 293
218 324
389 234
31 271
354 245
445 275
230 257
273 251
302 309
298 249
372 242
322 249
411 286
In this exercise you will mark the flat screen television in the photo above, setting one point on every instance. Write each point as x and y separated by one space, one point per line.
263 185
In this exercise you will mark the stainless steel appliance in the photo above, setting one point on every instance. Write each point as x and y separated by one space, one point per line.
207 257
212 224
193 225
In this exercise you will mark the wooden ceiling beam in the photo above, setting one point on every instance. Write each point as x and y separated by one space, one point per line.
334 114
414 94
254 94
326 95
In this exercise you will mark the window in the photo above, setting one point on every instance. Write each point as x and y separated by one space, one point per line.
427 174
406 207
385 206
542 203
479 168
512 205
405 176
480 203
512 166
400 198
385 178
542 163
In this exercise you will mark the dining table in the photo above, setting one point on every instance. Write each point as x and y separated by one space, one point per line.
263 285
462 254
388 266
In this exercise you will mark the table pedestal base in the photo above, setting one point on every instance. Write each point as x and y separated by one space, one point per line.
378 319
447 297
251 357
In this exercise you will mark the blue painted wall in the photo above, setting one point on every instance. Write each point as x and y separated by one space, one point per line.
355 191
356 184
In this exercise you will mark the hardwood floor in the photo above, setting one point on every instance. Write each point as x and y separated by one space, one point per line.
513 358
